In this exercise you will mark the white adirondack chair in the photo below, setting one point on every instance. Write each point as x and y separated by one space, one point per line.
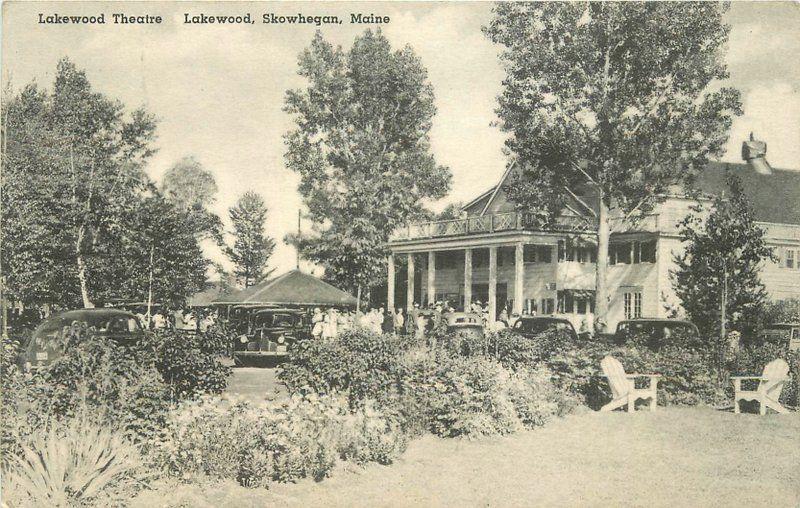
768 391
623 390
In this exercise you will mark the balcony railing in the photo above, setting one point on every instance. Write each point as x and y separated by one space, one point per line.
477 224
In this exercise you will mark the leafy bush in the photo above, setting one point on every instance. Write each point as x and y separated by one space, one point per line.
73 463
451 395
750 361
359 362
258 445
114 382
688 377
452 389
190 364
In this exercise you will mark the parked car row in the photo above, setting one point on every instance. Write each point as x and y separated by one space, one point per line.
272 332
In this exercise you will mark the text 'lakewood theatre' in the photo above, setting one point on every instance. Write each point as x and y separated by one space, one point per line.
491 255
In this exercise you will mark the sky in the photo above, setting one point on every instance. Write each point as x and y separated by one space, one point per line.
218 90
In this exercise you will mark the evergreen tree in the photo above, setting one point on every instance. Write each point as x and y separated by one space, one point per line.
717 276
252 248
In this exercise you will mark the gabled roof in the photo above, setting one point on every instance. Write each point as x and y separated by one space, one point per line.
291 288
774 198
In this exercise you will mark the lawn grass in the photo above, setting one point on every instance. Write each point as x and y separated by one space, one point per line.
673 457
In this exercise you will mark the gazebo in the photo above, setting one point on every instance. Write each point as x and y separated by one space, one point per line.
294 289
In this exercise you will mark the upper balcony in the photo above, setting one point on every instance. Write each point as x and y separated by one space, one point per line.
511 221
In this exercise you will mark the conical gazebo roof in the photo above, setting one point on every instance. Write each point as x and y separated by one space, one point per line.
291 288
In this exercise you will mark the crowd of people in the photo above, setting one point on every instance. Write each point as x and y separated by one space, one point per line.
196 320
417 321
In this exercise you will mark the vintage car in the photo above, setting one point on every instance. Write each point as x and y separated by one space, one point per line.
466 323
531 326
657 332
49 339
272 332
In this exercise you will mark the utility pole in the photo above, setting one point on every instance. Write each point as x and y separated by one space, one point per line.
297 247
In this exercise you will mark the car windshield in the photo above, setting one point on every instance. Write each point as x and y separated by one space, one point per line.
274 320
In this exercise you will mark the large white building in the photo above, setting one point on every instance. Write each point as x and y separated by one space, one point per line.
491 255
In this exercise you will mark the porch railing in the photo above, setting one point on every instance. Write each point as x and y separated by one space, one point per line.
477 224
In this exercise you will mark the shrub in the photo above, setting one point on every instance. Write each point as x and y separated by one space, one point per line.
359 362
371 435
190 364
750 361
471 396
73 463
688 377
113 381
258 445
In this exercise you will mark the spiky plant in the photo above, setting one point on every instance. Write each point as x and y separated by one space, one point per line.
69 464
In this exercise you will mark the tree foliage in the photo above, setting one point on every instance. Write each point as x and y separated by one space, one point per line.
361 146
723 247
75 198
252 248
193 188
616 95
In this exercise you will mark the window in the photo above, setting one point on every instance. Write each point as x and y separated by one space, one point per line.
648 251
544 254
790 259
537 254
632 303
548 305
567 251
529 253
566 303
635 252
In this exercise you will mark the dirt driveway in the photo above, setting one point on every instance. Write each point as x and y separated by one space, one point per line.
256 383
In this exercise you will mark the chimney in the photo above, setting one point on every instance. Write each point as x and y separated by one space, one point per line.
754 153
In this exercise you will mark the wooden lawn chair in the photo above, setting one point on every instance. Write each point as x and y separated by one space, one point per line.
768 391
623 390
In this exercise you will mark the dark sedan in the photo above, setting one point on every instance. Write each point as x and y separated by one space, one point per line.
49 340
531 326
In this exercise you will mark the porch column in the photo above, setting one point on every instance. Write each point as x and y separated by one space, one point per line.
390 283
467 279
410 286
492 285
519 277
431 277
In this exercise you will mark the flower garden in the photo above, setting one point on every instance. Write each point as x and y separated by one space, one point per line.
106 425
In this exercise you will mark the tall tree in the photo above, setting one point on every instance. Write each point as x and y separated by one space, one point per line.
361 147
717 276
193 188
82 222
73 162
252 248
613 95
164 262
189 184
